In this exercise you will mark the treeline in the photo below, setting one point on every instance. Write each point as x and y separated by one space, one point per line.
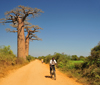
9 61
85 69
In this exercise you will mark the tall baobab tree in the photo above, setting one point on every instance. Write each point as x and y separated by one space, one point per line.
19 15
30 36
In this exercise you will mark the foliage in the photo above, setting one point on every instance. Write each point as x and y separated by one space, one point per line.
95 55
9 61
47 58
74 57
81 58
6 56
30 58
6 50
87 68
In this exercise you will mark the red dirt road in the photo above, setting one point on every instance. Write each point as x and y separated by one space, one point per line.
35 74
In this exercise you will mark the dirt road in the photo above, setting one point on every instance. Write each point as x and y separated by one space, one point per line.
35 74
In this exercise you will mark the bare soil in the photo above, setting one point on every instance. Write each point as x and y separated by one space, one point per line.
36 73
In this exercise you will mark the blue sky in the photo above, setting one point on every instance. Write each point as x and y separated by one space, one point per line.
69 26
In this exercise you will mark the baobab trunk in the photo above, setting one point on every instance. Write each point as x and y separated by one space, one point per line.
20 39
27 46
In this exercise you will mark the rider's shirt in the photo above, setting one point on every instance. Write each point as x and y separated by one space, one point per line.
53 62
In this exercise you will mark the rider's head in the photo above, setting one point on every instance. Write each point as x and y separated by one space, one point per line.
53 58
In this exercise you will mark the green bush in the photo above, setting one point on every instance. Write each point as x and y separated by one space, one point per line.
6 56
95 55
81 58
74 57
47 58
6 50
97 72
57 56
30 58
78 66
70 65
90 72
61 64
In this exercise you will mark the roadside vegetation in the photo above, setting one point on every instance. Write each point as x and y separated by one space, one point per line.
85 69
9 61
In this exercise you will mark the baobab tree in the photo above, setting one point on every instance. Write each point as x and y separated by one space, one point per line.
30 33
19 15
30 29
30 36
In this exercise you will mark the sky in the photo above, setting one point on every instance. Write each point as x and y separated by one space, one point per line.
71 27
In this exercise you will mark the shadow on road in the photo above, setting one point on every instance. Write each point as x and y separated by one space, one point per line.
47 76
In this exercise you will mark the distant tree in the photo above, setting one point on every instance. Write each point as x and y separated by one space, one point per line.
81 58
95 54
6 50
18 16
99 43
30 58
74 57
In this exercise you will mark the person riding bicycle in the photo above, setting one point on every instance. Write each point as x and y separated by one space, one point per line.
52 67
42 60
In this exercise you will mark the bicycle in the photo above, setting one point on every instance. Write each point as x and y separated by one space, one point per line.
53 72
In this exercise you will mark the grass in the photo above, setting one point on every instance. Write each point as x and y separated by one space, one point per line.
71 62
78 61
8 61
6 69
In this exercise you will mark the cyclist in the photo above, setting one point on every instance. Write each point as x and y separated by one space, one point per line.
52 67
42 60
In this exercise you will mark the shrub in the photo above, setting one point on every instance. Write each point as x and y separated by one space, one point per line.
6 56
95 54
90 71
81 58
61 64
78 66
30 58
74 57
70 65
48 58
57 56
